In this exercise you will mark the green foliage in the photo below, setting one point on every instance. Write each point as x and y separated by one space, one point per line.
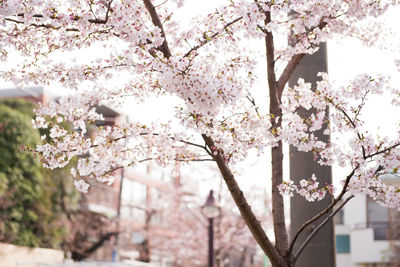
23 106
31 199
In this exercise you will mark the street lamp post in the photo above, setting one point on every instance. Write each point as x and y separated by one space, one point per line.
211 211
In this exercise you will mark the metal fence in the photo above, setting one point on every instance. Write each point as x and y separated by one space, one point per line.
382 230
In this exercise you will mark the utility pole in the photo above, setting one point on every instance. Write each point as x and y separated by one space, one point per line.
321 249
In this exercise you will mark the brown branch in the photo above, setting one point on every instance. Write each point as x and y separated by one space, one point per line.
210 38
75 149
108 10
278 213
362 104
352 123
325 211
182 159
294 61
157 22
76 18
382 151
99 243
354 127
319 227
245 209
47 26
111 140
287 72
270 49
179 140
177 159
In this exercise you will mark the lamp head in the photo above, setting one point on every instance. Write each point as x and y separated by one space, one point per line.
210 208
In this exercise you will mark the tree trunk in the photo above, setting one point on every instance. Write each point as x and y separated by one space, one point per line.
245 209
278 209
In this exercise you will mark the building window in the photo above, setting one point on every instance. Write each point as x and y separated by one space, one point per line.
134 214
134 192
133 206
339 217
378 219
343 244
157 218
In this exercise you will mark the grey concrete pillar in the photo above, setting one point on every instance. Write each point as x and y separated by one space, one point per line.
321 249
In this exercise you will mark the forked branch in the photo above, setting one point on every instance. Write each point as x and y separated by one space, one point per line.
325 211
319 227
157 22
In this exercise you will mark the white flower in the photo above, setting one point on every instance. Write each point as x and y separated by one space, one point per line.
81 186
303 183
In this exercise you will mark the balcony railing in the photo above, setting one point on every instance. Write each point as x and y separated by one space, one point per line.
382 230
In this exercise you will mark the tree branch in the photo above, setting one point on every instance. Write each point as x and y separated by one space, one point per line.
322 213
354 127
76 17
382 151
180 140
47 26
278 213
157 22
293 62
99 243
287 72
319 227
210 38
245 209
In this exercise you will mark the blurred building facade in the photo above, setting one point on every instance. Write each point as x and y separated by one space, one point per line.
129 202
32 93
367 234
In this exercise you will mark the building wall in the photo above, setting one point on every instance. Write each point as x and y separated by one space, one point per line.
103 198
13 256
364 248
355 211
344 260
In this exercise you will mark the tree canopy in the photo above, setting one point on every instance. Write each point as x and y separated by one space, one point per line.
140 49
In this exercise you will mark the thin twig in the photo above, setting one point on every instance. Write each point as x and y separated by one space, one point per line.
210 38
382 151
178 140
352 123
161 4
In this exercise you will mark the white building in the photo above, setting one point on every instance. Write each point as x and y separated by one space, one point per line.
365 234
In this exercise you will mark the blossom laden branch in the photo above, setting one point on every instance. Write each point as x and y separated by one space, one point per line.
208 39
245 209
388 149
322 213
315 231
157 22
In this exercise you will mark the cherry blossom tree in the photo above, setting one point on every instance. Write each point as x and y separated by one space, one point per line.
108 50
